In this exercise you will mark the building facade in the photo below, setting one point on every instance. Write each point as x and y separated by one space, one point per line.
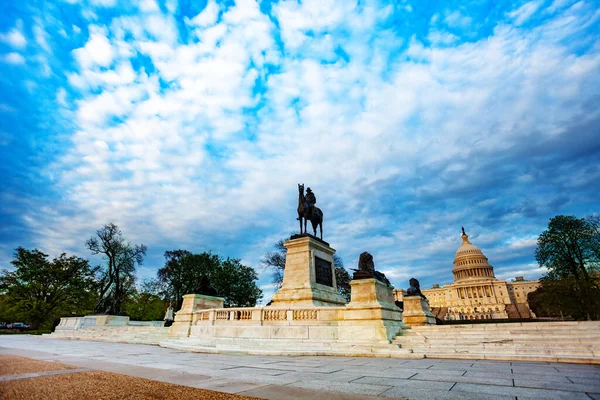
476 293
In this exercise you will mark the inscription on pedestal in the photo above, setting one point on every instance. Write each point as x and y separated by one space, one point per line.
323 273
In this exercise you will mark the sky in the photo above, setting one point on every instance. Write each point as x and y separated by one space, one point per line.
189 124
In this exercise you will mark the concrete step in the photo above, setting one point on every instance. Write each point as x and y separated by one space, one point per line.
572 337
528 325
528 341
515 357
472 346
493 350
305 351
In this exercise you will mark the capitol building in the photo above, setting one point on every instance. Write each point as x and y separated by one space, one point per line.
476 293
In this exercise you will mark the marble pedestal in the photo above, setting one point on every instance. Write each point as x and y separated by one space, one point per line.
191 304
371 313
309 275
417 312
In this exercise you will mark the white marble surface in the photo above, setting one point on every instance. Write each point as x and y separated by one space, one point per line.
317 377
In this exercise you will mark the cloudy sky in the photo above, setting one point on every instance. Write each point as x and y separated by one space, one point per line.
190 123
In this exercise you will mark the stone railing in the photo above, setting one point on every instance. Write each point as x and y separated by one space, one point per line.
266 316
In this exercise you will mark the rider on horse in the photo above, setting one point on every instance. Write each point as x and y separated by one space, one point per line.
309 200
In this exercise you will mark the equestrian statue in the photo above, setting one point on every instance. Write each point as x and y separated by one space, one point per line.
307 211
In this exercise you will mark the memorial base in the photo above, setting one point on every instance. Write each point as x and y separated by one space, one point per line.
309 278
191 304
371 313
417 312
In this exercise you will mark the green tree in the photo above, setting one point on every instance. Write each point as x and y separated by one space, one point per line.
39 289
117 278
232 280
236 283
275 261
145 306
570 250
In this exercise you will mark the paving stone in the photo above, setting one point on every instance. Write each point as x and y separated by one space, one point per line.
356 388
519 392
559 385
258 371
584 380
276 392
504 375
435 394
266 379
389 373
227 385
406 383
336 377
439 371
432 376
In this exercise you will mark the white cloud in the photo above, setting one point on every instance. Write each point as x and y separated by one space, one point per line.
172 5
162 28
148 6
97 51
444 38
208 16
13 58
558 4
104 3
457 20
218 149
61 96
41 36
523 13
15 37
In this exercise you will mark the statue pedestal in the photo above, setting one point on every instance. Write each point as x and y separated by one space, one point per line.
309 275
417 312
371 313
191 303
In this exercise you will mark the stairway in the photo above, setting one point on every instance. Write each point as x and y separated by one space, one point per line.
572 341
288 347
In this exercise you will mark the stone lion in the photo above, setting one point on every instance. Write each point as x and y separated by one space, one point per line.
365 262
414 289
366 269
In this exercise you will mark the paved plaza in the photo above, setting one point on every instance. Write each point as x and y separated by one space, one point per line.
280 377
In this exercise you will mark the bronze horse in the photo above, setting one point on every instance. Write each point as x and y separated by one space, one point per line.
316 219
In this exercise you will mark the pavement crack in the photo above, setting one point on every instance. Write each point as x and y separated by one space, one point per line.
569 379
360 377
413 375
452 386
379 394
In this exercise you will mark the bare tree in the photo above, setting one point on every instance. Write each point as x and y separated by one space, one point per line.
117 279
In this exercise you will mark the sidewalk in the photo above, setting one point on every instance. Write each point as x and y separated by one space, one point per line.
320 377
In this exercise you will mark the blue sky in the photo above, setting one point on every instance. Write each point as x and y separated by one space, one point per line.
190 123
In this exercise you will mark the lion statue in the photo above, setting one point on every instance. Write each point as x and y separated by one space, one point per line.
366 269
365 262
414 289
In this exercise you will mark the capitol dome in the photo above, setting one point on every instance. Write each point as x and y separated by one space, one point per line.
470 263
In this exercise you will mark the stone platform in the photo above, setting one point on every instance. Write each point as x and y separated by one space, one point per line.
322 378
569 341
